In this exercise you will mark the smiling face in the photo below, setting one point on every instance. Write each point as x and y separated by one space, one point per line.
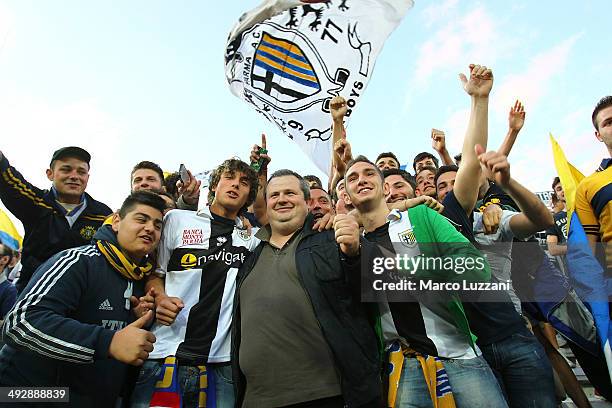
445 184
319 203
138 232
69 176
146 179
364 186
286 204
425 183
399 188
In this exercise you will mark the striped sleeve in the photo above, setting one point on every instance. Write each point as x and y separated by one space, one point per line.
39 321
19 196
585 212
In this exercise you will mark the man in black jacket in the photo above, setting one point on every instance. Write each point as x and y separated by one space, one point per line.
300 335
71 326
60 218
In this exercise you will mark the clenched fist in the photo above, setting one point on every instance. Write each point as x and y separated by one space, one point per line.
347 234
438 140
167 308
480 82
338 108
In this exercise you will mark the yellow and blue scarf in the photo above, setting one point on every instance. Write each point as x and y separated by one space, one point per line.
168 393
433 370
122 263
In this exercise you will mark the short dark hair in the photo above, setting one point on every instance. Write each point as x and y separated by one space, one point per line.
320 188
387 154
170 184
232 166
286 172
442 170
167 194
424 155
399 172
457 157
5 250
556 181
312 178
142 197
603 103
362 159
150 166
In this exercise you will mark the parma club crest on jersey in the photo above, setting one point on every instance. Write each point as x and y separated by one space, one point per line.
407 238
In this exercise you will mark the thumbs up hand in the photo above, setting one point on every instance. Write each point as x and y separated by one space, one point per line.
132 344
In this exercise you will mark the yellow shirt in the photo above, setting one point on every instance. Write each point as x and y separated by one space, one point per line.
594 202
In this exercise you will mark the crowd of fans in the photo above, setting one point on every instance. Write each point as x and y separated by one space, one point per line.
254 295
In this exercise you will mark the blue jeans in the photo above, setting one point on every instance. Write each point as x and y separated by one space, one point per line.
472 381
188 377
523 370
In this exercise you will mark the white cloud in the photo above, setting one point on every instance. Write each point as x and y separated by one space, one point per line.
437 12
533 83
473 37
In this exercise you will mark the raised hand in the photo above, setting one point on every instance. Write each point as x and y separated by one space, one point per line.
190 190
480 83
338 108
516 116
259 155
495 166
347 234
438 140
132 344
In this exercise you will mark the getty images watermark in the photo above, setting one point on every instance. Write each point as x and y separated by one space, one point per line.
406 273
430 272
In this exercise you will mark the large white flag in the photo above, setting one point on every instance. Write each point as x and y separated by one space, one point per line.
288 62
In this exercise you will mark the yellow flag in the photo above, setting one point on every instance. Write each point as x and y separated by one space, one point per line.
569 175
8 233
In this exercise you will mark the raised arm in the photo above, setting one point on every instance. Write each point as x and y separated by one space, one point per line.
478 86
438 142
534 215
260 157
516 120
341 152
21 198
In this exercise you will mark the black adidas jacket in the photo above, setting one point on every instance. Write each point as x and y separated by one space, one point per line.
59 332
47 231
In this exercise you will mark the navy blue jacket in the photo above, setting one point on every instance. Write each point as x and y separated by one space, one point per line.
8 294
47 231
61 328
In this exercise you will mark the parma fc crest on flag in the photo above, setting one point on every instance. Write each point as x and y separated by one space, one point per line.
289 58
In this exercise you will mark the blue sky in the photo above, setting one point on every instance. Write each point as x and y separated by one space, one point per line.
144 80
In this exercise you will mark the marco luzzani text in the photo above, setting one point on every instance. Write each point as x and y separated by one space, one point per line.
402 269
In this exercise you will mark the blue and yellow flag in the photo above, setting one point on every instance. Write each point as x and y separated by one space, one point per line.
8 233
585 271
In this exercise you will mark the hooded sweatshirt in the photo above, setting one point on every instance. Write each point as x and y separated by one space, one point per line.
61 328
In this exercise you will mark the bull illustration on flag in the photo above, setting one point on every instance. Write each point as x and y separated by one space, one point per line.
289 58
